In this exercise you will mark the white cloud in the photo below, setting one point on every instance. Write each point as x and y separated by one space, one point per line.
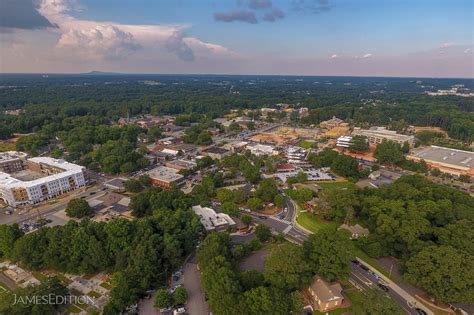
367 56
446 45
467 50
335 56
110 40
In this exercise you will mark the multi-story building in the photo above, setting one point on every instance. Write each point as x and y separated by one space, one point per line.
258 149
377 135
333 123
165 177
12 161
41 178
344 141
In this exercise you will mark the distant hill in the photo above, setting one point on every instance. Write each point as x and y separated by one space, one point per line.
101 73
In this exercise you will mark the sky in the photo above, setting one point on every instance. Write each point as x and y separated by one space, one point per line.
409 38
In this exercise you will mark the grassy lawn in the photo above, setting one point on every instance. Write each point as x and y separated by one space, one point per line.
355 296
41 277
4 295
73 309
306 144
312 222
334 185
63 279
106 285
94 294
7 146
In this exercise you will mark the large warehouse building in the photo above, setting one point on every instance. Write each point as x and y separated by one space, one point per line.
452 161
37 179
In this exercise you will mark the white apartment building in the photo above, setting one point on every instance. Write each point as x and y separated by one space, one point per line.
51 178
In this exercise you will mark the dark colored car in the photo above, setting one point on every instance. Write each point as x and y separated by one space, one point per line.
420 311
383 287
364 267
262 217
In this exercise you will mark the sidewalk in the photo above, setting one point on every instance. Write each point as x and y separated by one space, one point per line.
411 300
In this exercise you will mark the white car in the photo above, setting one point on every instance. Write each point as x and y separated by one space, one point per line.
180 310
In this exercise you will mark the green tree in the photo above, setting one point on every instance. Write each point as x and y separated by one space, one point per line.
246 219
251 279
163 299
389 152
8 236
359 144
133 186
287 268
78 208
180 296
267 190
330 252
266 301
255 204
444 272
279 201
263 232
230 208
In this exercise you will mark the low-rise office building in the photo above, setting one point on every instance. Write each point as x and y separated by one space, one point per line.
451 161
213 221
181 164
216 153
40 178
165 177
258 149
377 135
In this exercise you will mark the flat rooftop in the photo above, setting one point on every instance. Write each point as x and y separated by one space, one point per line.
165 174
12 155
459 158
216 150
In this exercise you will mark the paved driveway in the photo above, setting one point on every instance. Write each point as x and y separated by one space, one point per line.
196 304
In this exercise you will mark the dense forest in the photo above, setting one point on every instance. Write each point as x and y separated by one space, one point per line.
429 227
140 254
49 100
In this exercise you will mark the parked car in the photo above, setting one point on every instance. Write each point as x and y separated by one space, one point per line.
263 217
364 267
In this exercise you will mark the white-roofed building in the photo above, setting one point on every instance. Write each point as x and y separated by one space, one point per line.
344 141
213 221
262 149
43 178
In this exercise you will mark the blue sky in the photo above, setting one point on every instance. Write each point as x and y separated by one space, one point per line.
333 37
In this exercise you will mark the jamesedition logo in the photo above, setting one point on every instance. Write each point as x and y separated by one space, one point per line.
52 299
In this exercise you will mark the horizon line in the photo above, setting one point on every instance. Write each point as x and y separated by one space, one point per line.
111 73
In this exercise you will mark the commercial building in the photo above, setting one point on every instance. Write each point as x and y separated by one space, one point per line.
12 161
262 149
213 221
181 164
344 141
451 161
333 123
165 177
39 179
216 152
377 135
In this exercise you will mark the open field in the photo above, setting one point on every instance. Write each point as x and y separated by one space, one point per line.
334 185
312 222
